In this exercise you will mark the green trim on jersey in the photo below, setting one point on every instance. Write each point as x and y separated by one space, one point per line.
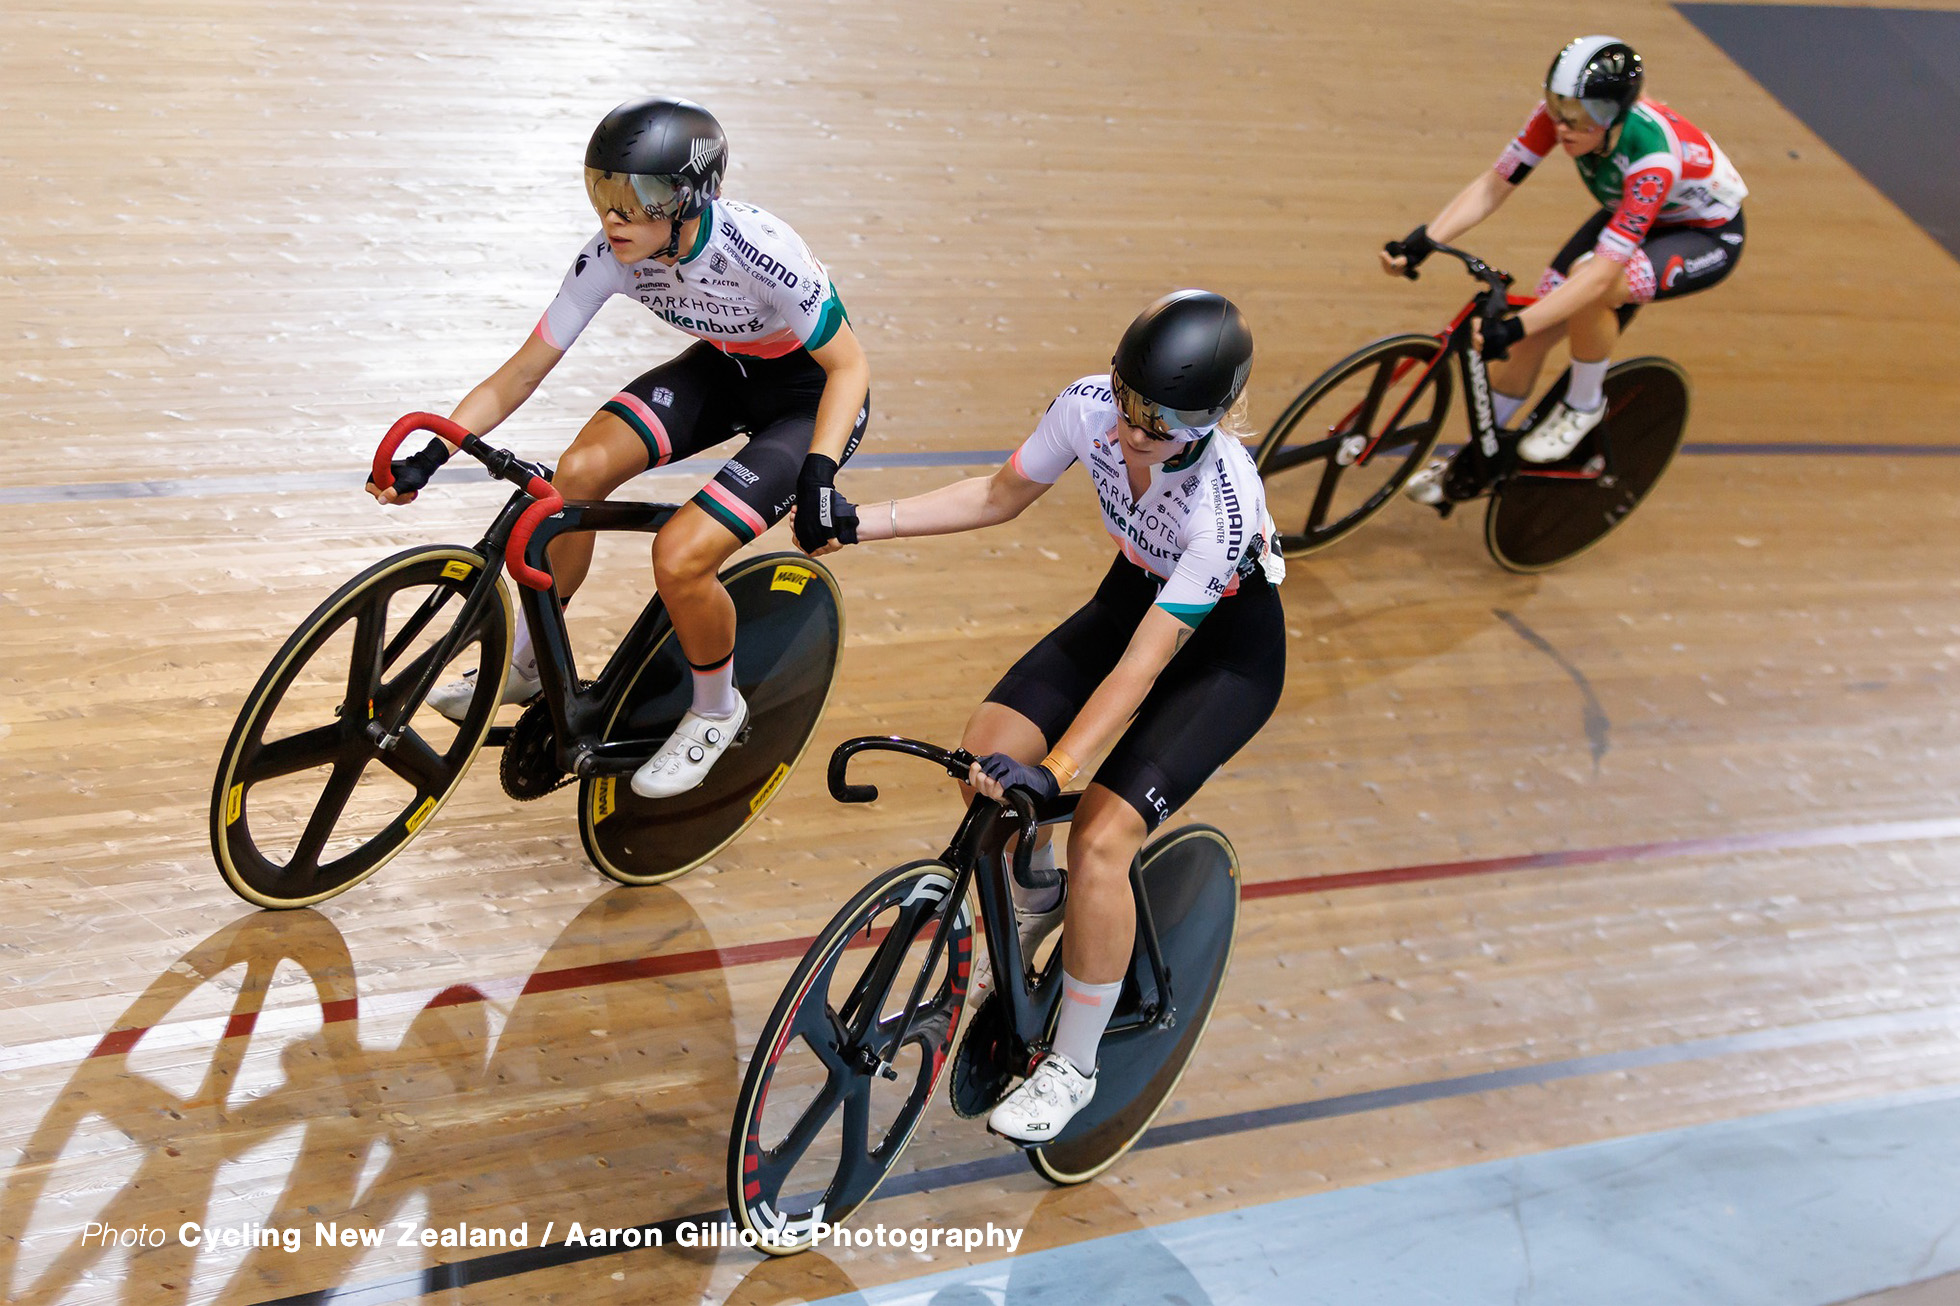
702 231
1192 452
1188 613
830 317
1641 135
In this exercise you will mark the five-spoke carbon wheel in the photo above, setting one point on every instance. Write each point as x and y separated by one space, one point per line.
1341 450
311 798
831 1097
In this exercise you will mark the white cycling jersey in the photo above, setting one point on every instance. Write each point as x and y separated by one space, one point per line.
1200 527
748 285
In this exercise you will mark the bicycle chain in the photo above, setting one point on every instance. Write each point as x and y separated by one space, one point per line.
530 767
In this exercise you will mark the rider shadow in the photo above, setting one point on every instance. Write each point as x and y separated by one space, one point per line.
1346 636
602 1098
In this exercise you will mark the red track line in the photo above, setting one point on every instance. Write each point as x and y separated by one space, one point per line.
120 1041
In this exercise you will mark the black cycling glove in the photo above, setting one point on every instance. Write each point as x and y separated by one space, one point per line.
1010 774
1415 247
1499 338
822 514
413 472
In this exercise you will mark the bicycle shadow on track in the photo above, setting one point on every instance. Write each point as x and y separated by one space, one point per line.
1369 608
602 1098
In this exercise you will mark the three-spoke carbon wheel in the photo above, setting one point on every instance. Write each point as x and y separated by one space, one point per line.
831 1098
308 802
1341 450
1542 517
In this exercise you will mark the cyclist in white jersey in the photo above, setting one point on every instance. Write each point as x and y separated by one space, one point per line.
776 360
1669 224
1177 660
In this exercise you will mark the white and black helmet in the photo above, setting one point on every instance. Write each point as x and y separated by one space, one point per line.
1601 73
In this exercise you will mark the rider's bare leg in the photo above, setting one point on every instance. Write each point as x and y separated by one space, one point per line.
1101 924
687 554
998 728
604 455
1512 379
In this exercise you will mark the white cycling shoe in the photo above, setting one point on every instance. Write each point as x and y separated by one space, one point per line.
1033 927
1559 434
453 699
1044 1103
1426 486
684 761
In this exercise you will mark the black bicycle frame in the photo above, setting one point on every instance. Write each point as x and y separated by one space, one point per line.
578 715
1491 455
980 843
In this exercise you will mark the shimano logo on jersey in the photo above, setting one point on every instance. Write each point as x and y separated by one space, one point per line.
1480 394
764 264
1233 518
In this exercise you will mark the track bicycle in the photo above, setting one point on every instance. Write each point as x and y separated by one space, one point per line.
852 1052
336 760
1343 448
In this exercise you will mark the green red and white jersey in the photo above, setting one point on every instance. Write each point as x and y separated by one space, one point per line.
749 285
1662 171
1200 525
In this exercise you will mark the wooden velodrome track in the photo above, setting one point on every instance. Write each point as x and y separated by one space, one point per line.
1685 807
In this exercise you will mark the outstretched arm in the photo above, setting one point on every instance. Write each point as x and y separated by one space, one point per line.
962 506
1484 195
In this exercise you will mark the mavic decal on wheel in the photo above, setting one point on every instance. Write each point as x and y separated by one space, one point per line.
790 578
457 571
234 803
769 787
421 814
602 800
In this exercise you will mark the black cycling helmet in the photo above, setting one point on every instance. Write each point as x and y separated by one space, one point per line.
672 151
1182 364
1599 74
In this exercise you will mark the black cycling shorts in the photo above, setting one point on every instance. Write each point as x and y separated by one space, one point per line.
1211 698
704 396
1671 262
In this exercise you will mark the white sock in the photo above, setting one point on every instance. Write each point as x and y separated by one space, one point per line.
714 688
1036 901
523 658
1582 392
1504 407
1086 1009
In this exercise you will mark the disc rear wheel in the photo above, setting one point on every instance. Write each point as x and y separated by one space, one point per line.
789 624
1541 517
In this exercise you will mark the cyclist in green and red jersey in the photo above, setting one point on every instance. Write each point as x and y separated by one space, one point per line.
1669 224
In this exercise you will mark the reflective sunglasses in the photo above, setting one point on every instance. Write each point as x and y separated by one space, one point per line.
1161 423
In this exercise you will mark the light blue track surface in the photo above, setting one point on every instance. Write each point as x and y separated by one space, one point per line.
1800 1208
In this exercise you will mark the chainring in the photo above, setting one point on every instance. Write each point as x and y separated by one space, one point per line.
983 1065
530 767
